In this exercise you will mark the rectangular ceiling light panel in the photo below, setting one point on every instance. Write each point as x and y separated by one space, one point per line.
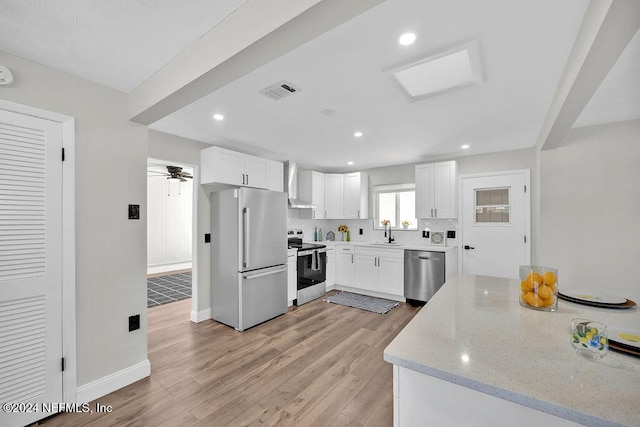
441 73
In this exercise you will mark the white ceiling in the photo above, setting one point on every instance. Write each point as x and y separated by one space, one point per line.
117 43
524 46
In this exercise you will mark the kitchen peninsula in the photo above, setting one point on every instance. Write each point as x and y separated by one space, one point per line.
474 356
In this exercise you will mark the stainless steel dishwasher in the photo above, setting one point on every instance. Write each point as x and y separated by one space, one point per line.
423 275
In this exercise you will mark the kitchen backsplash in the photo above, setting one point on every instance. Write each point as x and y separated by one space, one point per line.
368 233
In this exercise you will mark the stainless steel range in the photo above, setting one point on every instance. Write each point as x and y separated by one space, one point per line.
312 268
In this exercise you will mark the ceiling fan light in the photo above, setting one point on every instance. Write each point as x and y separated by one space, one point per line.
175 179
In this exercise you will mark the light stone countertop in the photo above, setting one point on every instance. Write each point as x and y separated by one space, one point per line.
474 333
410 246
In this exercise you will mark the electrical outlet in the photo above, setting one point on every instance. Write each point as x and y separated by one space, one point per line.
451 234
134 211
134 322
425 234
361 231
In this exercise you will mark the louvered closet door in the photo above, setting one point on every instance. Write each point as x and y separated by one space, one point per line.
30 263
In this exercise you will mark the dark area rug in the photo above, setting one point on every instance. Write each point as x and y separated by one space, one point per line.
363 302
166 289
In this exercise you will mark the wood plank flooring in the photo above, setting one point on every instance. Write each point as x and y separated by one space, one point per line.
318 365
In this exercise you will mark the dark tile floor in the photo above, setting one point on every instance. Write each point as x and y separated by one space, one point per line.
166 289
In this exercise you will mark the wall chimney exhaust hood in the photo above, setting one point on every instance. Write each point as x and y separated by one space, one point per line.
291 183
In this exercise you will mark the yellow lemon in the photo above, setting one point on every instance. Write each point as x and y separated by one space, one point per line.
534 300
548 301
545 292
549 278
531 282
526 286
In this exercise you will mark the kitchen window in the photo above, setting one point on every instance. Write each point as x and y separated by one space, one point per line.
397 203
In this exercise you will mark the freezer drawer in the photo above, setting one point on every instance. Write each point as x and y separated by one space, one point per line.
263 295
424 274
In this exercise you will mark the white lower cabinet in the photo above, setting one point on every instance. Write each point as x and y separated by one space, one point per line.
364 267
292 277
331 267
379 270
344 265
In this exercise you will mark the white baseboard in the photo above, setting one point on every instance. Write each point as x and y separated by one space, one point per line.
200 316
110 383
154 269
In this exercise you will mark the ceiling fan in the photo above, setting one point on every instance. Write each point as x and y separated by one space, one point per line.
174 174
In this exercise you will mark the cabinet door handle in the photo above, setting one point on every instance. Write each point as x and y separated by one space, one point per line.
247 179
436 212
358 214
351 258
431 212
313 213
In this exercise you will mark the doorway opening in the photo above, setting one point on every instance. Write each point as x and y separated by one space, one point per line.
170 207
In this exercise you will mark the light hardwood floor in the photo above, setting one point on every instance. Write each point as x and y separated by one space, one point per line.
319 364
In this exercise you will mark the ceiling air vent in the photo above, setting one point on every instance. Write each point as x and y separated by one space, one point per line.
280 90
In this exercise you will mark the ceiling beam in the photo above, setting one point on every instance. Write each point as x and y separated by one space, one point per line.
607 28
252 36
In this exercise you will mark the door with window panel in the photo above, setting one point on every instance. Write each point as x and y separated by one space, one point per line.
495 224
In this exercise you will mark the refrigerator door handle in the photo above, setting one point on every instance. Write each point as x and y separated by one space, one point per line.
245 237
268 273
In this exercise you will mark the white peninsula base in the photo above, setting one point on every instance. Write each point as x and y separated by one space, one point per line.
447 404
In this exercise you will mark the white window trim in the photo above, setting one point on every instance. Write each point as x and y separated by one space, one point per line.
391 188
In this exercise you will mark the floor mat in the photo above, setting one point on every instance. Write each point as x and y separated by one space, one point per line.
166 289
377 305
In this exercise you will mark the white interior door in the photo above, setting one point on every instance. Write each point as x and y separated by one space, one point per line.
30 264
496 224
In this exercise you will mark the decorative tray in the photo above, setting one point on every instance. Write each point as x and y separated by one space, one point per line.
597 300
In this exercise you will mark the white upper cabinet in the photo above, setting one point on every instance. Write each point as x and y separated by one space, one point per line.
436 190
311 189
346 196
355 196
333 195
218 165
221 166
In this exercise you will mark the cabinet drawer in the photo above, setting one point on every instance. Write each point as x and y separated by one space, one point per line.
380 252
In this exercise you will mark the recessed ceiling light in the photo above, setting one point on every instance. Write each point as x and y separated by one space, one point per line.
350 163
406 39
218 116
328 112
465 146
357 134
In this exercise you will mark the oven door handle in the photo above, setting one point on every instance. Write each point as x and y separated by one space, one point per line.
311 251
268 273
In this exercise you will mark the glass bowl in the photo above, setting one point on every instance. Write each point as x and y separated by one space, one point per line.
539 287
589 338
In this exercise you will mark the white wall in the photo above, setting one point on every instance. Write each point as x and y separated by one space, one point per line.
169 221
403 174
590 208
110 158
185 151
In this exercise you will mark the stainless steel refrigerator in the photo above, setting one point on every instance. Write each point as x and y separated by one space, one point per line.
249 256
